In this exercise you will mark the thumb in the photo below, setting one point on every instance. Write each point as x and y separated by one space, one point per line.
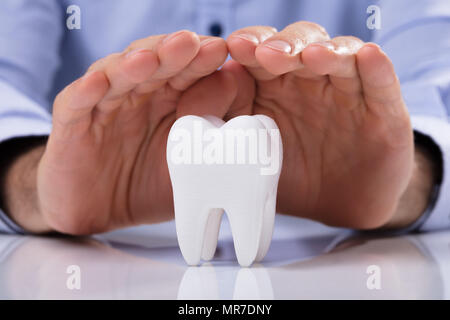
212 95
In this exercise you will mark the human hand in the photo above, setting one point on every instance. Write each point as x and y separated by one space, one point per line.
348 142
104 165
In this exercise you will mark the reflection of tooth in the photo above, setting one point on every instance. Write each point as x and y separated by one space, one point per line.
253 284
224 174
199 283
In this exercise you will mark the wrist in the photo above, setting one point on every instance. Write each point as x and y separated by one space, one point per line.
418 195
18 185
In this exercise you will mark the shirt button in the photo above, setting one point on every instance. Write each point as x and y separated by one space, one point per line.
215 29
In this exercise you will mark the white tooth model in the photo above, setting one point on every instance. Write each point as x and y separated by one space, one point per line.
216 166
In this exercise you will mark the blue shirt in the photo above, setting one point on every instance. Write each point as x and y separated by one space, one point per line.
39 55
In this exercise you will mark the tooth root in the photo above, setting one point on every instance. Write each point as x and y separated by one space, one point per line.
211 234
246 226
267 226
190 222
252 230
271 201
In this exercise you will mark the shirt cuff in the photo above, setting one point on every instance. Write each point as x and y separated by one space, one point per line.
438 130
20 116
8 226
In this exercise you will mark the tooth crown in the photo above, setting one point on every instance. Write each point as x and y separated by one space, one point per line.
214 166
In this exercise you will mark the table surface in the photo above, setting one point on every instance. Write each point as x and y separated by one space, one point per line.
306 260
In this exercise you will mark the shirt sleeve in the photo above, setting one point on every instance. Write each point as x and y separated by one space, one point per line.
30 37
414 34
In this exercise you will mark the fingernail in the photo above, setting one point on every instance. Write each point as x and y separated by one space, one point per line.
174 35
247 37
87 74
326 44
279 45
372 46
134 52
204 42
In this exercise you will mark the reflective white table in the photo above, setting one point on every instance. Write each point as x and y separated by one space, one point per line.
306 261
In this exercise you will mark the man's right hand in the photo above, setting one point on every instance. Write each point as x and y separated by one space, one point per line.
104 164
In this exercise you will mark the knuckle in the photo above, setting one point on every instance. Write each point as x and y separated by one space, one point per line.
96 65
261 32
350 42
133 45
71 223
64 95
347 39
308 25
60 96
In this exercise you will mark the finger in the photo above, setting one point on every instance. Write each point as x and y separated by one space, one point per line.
175 53
336 59
381 87
242 45
124 73
174 50
281 53
146 64
246 89
72 108
211 95
211 55
152 43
